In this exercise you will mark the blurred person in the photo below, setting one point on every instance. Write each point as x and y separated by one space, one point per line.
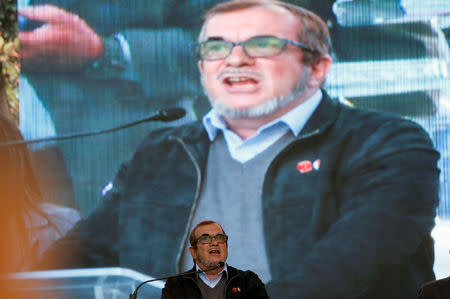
322 200
209 246
28 224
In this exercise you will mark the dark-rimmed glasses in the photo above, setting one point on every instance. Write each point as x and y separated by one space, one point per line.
207 239
258 46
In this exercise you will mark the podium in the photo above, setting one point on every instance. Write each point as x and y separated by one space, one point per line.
91 283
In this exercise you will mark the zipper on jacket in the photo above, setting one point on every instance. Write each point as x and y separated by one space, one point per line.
228 283
298 139
196 198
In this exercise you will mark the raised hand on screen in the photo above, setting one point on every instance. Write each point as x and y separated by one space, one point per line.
65 42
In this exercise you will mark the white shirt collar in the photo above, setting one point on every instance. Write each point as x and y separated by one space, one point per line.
212 282
225 269
295 119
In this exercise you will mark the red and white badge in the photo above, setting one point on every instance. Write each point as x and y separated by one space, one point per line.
306 166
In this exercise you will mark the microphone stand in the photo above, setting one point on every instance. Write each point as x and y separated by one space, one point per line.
134 294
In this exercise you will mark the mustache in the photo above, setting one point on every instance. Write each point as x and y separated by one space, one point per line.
242 72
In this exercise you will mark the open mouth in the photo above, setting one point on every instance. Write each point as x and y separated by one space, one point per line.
214 251
240 82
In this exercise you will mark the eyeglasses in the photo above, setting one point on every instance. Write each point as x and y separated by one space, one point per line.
206 239
258 46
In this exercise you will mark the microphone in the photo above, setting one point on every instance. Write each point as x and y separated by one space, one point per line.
166 115
169 114
134 294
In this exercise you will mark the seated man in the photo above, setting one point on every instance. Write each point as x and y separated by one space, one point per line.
209 246
322 200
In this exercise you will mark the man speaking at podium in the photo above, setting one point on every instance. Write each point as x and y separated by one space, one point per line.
209 246
322 200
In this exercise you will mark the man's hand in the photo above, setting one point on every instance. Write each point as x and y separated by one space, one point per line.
64 43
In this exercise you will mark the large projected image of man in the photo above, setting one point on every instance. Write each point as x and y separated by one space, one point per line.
322 200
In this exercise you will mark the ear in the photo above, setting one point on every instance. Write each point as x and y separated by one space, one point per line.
192 252
319 70
200 66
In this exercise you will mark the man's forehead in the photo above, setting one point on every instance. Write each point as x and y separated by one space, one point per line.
253 21
210 229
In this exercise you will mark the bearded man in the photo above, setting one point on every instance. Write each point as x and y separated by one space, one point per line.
209 250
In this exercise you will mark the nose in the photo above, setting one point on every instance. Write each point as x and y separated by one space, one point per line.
238 57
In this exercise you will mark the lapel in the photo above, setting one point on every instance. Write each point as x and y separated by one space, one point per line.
325 115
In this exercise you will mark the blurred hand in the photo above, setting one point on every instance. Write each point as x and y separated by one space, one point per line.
64 43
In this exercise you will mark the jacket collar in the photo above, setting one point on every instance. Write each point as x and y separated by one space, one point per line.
323 117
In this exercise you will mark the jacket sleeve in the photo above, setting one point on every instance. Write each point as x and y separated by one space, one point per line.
387 193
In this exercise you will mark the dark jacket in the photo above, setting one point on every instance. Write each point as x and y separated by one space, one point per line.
437 289
356 225
240 284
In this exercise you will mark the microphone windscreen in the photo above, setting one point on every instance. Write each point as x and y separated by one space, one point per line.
171 114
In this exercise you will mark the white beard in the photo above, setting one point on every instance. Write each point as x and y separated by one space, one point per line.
266 108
